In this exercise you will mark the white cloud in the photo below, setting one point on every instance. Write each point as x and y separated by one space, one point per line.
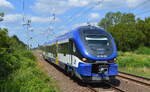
50 6
59 6
12 18
78 3
5 5
112 4
17 18
37 19
133 3
123 4
94 16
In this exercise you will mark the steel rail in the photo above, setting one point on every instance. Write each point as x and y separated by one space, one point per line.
111 85
135 78
114 87
135 75
94 90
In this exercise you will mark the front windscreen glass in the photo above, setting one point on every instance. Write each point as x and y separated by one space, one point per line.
98 45
97 40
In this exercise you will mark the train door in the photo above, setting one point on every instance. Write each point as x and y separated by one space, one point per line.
76 57
57 58
70 52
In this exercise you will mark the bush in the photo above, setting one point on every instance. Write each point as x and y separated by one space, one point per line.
129 32
18 69
129 59
134 63
143 50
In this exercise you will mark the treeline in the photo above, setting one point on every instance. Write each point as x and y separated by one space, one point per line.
129 32
18 68
9 59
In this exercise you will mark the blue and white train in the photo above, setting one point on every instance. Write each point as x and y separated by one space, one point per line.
87 52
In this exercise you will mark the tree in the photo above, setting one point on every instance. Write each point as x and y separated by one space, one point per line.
124 28
146 31
1 16
110 19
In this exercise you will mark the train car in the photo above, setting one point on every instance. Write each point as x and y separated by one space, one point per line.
87 52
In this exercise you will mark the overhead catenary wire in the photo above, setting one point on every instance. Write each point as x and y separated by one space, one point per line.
50 29
85 11
26 23
82 12
143 12
73 15
140 5
23 14
71 18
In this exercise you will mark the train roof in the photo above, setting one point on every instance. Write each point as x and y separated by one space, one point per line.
69 34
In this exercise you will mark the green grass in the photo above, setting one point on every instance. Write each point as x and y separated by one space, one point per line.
28 78
143 50
144 71
137 62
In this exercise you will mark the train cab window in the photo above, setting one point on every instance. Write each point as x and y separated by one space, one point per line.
98 43
100 40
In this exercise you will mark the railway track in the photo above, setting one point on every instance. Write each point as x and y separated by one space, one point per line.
114 88
134 78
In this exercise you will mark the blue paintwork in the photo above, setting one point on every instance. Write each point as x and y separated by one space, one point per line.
85 70
74 34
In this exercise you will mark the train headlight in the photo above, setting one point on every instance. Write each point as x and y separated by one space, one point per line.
112 61
84 59
115 59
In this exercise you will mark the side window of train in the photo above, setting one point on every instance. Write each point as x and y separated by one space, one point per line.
63 48
74 48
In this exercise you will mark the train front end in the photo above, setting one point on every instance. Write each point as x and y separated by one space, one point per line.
98 52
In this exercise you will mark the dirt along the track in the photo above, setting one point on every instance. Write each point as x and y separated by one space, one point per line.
66 83
132 86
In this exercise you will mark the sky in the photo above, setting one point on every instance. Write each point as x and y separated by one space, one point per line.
68 14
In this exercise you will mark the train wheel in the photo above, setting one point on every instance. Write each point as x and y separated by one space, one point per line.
114 81
67 71
112 78
72 73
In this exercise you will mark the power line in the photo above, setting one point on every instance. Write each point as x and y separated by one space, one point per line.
89 9
51 25
140 5
27 25
23 9
84 12
144 12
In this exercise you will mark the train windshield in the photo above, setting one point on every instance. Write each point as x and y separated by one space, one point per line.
97 40
98 45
